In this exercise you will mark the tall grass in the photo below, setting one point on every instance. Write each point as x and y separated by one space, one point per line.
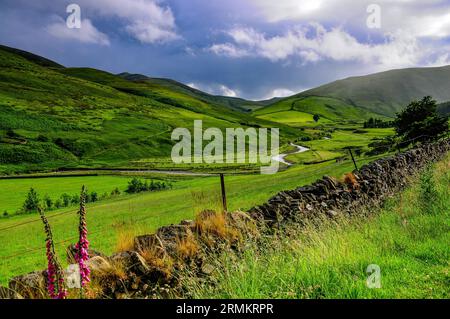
407 242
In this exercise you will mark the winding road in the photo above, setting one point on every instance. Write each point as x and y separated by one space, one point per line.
281 157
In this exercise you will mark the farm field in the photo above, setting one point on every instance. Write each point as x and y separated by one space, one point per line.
54 187
332 147
23 237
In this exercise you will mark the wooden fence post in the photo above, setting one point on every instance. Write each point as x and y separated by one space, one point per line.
353 159
224 195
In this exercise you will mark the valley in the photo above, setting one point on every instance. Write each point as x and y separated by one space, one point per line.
57 122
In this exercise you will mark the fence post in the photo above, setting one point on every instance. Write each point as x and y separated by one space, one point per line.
224 195
353 159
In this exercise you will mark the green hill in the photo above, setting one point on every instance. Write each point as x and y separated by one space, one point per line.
387 92
231 102
53 116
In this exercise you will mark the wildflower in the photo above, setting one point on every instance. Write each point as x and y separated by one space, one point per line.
55 275
82 246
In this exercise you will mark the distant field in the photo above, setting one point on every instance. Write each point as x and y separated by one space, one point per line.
332 148
293 118
54 187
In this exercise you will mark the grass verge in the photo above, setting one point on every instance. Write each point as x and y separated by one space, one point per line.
408 239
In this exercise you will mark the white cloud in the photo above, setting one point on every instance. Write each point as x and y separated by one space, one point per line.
86 34
228 49
441 60
226 91
281 92
146 20
419 18
315 43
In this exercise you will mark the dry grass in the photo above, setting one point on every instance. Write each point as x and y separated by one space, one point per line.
350 180
125 239
211 222
157 258
187 247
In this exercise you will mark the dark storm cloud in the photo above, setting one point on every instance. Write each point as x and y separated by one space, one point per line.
251 48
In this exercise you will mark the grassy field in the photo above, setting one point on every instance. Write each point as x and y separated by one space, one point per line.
22 236
408 240
332 147
53 117
17 189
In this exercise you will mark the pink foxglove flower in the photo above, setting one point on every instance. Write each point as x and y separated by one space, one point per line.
55 275
82 246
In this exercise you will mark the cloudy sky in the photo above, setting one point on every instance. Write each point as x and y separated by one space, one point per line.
254 49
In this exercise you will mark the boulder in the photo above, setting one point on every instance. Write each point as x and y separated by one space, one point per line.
30 286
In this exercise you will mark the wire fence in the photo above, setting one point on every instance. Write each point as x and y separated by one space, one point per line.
235 191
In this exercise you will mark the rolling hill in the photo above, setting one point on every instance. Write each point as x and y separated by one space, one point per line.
52 116
386 92
378 95
231 102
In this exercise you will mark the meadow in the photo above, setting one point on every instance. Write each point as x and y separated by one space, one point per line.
22 236
408 239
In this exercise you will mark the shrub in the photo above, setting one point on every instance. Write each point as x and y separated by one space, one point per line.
5 214
58 203
48 202
31 203
94 197
66 199
115 192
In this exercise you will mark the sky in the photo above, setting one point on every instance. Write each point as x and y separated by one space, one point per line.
255 49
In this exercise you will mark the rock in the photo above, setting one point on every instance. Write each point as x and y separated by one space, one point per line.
98 265
6 293
208 269
71 252
132 261
30 286
332 213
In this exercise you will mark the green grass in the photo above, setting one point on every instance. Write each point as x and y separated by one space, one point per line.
293 118
329 109
17 189
408 243
143 213
335 147
81 117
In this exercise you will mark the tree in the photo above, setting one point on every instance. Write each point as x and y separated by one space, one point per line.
316 118
419 121
48 202
31 203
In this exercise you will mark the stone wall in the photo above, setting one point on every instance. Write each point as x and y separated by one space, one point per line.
363 188
155 264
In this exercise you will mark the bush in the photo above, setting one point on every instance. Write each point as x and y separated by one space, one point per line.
66 199
5 214
48 202
94 197
115 192
58 203
31 203
136 186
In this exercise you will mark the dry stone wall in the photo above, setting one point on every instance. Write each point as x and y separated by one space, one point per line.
153 266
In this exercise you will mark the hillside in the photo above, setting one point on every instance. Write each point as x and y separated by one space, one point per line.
231 102
53 116
386 92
